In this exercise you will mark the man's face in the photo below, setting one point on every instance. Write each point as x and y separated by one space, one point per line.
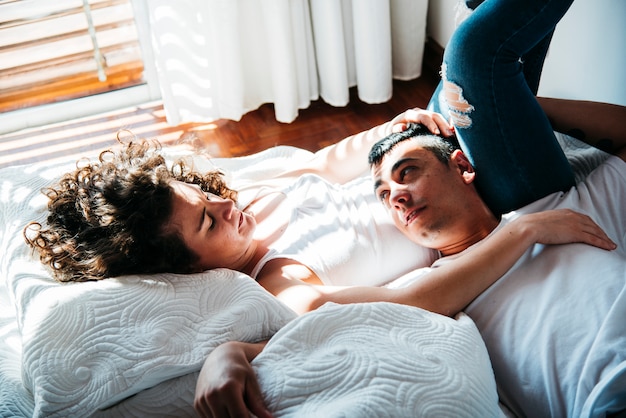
424 196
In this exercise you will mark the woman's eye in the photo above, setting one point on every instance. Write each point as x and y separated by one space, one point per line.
210 222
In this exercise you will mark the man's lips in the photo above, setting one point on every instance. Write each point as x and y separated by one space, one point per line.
412 214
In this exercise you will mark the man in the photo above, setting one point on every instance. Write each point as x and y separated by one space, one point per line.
554 324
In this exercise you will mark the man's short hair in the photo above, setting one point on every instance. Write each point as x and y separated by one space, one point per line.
441 147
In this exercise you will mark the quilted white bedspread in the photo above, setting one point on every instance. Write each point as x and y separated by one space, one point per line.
88 346
377 360
362 360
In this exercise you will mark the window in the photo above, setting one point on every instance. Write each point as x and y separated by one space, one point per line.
57 51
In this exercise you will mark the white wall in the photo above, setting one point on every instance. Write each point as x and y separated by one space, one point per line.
587 58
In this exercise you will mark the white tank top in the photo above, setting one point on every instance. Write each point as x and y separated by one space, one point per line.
344 235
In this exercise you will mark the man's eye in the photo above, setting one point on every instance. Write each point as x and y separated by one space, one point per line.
406 170
383 196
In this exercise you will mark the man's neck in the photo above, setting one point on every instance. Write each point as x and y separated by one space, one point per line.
475 232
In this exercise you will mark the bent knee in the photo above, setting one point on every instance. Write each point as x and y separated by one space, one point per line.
459 108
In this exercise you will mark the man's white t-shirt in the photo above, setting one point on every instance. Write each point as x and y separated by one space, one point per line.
555 324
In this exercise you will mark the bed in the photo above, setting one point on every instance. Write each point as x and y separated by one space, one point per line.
132 346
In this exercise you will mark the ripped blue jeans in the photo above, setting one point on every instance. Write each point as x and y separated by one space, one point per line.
490 75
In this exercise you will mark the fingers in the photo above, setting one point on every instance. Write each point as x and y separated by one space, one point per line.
589 231
202 408
398 127
596 236
228 387
433 121
222 405
254 400
564 226
439 125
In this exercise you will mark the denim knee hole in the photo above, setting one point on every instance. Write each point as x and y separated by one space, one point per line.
458 107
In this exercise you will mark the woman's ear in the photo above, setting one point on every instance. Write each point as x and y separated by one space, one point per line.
460 161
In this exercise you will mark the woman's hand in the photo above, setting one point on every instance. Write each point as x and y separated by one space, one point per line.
564 226
434 121
227 385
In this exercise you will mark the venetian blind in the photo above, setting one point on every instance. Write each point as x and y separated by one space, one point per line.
64 49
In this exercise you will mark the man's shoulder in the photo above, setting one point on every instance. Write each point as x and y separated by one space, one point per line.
613 162
609 177
597 188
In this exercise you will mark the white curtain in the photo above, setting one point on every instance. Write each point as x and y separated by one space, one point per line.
222 58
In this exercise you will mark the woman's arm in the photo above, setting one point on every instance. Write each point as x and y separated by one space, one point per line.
450 288
602 125
347 159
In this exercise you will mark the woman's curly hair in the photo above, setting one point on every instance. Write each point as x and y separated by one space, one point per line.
107 217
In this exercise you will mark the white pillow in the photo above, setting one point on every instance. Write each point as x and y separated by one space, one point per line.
89 345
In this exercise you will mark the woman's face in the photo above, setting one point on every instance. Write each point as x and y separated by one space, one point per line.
211 227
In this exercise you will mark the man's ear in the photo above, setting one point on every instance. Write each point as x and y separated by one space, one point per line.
460 161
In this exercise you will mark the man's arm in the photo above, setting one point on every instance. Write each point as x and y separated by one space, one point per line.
602 125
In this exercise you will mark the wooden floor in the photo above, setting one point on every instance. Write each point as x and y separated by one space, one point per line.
315 127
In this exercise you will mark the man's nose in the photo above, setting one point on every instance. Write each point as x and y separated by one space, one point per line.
399 196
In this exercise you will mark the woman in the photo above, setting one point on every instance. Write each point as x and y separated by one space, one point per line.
126 213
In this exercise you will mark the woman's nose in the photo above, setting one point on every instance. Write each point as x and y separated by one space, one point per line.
226 206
